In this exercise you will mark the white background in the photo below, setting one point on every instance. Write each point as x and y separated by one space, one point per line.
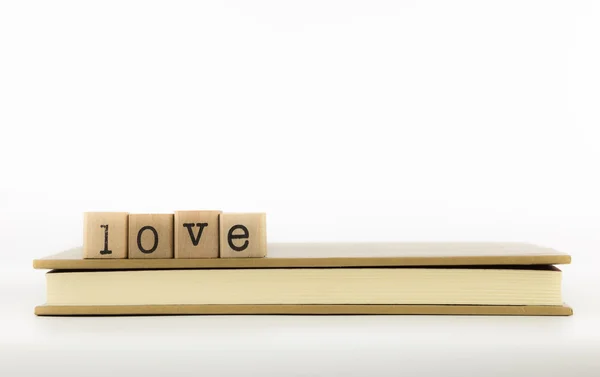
343 120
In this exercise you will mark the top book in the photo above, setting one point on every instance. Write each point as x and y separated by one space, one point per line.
323 255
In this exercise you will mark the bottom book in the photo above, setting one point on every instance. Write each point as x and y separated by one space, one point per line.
491 290
518 310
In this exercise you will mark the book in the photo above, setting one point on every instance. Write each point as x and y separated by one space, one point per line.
327 278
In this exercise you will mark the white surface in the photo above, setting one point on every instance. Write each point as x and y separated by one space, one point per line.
297 345
343 120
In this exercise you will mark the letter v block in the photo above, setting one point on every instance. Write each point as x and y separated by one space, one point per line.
243 235
197 234
105 235
151 236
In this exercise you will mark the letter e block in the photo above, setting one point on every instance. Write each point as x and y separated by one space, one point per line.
151 236
243 235
105 235
197 234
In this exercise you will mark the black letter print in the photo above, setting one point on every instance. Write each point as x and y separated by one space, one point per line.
189 226
139 240
105 251
231 236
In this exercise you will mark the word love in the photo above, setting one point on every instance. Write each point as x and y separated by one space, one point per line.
183 234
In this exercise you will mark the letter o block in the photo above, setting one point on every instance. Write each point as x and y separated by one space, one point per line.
151 236
243 235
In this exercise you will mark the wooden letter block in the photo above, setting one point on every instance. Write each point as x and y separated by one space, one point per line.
105 235
197 234
151 236
243 235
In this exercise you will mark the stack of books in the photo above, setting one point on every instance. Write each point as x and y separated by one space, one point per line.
314 278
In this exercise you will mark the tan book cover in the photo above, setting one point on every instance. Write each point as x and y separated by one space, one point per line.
289 255
518 310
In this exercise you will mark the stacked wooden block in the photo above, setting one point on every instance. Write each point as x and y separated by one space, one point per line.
183 234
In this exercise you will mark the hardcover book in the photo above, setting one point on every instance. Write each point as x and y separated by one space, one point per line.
317 278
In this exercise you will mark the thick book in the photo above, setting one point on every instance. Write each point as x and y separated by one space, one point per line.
366 278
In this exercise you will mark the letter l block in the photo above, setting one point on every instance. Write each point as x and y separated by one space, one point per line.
105 235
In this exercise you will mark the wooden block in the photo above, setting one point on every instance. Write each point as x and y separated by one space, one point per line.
151 236
105 235
197 234
243 235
